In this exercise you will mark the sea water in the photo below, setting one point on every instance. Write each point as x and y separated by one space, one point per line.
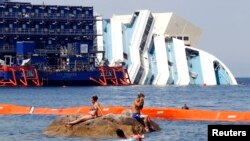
31 127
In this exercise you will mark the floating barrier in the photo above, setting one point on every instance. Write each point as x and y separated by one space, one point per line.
14 109
156 113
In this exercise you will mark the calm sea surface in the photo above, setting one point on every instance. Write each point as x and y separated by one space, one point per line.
30 127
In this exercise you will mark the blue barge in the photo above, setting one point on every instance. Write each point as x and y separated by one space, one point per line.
52 45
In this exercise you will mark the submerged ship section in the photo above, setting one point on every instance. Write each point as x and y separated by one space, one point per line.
161 49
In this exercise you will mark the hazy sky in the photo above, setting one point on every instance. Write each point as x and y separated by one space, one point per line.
225 23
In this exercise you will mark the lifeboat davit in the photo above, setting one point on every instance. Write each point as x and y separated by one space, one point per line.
153 112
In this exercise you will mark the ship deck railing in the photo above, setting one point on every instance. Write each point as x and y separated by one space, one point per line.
57 68
54 16
46 31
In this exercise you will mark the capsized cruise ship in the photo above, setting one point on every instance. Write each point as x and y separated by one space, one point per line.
161 49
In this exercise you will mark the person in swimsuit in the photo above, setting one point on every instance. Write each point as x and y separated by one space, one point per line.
95 111
136 111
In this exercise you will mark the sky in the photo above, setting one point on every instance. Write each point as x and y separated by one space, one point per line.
225 24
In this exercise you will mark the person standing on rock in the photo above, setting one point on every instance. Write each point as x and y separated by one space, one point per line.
95 111
136 111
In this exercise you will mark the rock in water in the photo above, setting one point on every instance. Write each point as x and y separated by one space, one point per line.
101 127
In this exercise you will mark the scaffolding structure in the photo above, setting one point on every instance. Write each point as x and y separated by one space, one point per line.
19 76
109 76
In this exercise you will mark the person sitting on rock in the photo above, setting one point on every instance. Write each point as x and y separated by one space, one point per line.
95 111
136 112
135 137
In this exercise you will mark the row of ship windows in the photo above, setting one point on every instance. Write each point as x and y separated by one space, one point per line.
49 41
49 11
185 38
37 26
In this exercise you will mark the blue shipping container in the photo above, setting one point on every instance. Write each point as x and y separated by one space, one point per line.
25 47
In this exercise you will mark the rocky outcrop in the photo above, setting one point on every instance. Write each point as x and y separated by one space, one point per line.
101 127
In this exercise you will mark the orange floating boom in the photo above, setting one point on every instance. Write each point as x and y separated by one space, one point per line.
159 113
